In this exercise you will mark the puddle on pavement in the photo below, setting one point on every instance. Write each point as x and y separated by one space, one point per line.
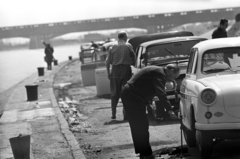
13 116
43 104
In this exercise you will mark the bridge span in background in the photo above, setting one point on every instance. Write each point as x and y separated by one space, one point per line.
152 23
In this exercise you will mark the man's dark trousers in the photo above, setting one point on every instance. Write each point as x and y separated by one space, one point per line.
119 77
135 108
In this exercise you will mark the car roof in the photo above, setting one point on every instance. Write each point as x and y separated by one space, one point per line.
218 43
173 39
110 43
138 40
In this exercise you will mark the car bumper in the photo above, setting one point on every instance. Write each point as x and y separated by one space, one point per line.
222 126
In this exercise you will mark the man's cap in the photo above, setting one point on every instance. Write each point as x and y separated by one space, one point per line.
122 34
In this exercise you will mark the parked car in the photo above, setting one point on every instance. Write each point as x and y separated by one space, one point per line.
162 52
136 41
87 51
210 94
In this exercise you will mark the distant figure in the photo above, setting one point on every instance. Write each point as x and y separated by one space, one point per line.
221 32
108 40
94 45
121 56
49 55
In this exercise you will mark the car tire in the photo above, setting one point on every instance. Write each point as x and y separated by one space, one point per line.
190 137
204 143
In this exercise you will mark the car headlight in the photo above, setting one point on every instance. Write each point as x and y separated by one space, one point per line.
208 96
170 85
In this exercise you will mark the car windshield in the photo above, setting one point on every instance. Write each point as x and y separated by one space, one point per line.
221 60
179 50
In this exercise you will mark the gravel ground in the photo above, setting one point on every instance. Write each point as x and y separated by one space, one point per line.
102 138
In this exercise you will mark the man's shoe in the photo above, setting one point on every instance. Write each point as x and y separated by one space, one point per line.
113 117
149 157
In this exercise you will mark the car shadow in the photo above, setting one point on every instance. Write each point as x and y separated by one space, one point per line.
173 152
165 121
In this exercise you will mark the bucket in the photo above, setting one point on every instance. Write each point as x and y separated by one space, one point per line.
32 92
70 57
20 146
55 62
40 71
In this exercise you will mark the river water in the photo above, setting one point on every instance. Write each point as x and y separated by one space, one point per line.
16 65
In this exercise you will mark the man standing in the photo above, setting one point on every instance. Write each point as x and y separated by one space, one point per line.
49 55
136 94
121 56
94 53
221 32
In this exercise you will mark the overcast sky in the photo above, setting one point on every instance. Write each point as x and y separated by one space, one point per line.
23 12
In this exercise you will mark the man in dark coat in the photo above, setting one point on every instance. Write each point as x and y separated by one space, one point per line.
221 32
49 55
136 94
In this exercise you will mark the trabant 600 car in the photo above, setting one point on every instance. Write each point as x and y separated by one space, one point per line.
160 53
210 94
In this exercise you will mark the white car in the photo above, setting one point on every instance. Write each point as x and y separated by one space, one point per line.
210 94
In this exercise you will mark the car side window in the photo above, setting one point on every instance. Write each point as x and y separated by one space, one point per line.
136 53
139 63
191 61
195 70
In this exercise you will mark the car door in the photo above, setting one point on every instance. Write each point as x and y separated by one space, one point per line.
138 64
186 92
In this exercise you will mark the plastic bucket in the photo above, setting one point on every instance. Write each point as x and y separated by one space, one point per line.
55 62
32 92
20 146
40 71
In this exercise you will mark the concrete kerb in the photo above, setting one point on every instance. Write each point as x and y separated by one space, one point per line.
76 150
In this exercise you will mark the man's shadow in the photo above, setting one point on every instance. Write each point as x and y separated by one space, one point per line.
115 122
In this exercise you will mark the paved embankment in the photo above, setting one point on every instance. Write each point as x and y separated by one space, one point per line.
41 119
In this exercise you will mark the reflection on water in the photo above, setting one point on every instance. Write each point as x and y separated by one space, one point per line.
17 65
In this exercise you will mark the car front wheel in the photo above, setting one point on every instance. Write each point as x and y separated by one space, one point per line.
204 143
190 137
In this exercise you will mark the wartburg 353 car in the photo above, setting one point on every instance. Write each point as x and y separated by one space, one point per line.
166 50
210 94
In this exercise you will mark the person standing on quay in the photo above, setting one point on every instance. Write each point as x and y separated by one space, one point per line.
49 55
221 32
121 56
